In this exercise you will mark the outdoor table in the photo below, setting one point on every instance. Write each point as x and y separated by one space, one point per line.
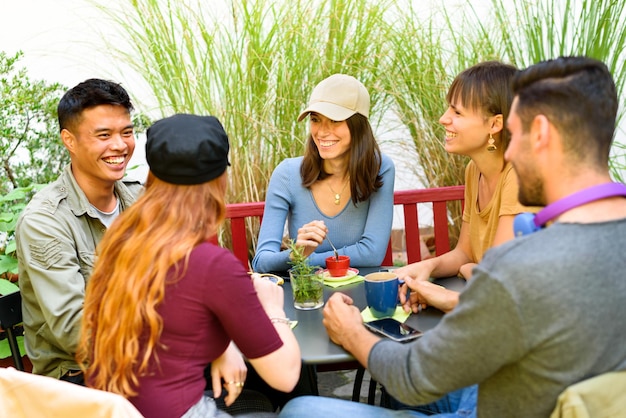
316 347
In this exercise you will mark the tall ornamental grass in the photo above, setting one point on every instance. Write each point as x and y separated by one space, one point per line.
527 32
427 51
253 64
424 57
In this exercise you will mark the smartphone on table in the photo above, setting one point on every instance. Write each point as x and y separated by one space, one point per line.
393 329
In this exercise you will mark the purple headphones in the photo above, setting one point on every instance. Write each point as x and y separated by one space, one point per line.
527 223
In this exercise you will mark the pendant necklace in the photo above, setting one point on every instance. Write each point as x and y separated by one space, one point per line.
338 195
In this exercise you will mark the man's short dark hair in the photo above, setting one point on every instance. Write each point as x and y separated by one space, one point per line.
88 94
578 96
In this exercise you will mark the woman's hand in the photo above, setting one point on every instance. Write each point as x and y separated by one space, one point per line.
231 367
270 295
417 271
466 270
311 235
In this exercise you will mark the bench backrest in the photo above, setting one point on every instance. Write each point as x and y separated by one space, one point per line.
237 213
410 201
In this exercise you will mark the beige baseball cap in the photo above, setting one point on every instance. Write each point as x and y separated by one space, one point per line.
338 97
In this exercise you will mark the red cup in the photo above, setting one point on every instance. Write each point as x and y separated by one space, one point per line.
338 267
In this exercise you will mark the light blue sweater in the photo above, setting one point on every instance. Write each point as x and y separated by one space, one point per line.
361 232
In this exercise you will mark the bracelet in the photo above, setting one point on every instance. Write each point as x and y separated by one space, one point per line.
276 320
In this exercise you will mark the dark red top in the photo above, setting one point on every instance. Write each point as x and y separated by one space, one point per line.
214 303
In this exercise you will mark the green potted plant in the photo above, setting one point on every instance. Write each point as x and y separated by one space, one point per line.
307 284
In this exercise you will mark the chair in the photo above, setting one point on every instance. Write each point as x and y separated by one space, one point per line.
601 396
238 213
26 395
10 316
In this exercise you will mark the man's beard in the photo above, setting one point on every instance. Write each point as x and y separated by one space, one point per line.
531 192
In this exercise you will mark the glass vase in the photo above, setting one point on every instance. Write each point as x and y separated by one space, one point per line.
308 291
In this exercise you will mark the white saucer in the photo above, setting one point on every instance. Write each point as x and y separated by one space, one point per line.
326 274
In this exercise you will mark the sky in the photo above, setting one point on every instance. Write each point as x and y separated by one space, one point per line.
56 37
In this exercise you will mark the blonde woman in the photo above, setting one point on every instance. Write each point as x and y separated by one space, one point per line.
163 302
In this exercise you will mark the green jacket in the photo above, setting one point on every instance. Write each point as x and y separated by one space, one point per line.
56 237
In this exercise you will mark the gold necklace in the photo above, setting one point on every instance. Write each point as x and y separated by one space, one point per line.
338 195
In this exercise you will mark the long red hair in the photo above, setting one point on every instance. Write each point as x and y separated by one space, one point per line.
121 326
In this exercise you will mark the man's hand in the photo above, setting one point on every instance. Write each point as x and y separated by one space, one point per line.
344 325
341 316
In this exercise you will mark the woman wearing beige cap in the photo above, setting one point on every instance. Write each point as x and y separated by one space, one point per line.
342 186
163 303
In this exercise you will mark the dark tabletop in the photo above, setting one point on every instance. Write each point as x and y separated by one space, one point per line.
316 347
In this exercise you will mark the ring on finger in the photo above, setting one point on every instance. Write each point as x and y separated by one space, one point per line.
237 384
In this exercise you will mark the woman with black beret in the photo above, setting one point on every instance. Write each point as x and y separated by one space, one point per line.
163 302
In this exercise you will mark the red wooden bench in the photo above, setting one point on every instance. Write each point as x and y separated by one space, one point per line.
410 199
237 213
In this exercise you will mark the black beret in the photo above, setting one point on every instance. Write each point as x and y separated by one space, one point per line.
187 149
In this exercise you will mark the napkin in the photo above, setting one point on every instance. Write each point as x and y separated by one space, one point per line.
353 279
399 314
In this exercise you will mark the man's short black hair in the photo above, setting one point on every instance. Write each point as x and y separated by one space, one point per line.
88 94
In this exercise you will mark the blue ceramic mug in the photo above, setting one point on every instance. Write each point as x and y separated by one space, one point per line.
381 293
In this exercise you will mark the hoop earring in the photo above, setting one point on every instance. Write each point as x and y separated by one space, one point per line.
491 146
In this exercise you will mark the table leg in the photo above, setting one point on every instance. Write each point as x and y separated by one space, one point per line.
311 375
358 380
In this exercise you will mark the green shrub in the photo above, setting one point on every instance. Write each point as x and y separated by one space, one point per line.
11 205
